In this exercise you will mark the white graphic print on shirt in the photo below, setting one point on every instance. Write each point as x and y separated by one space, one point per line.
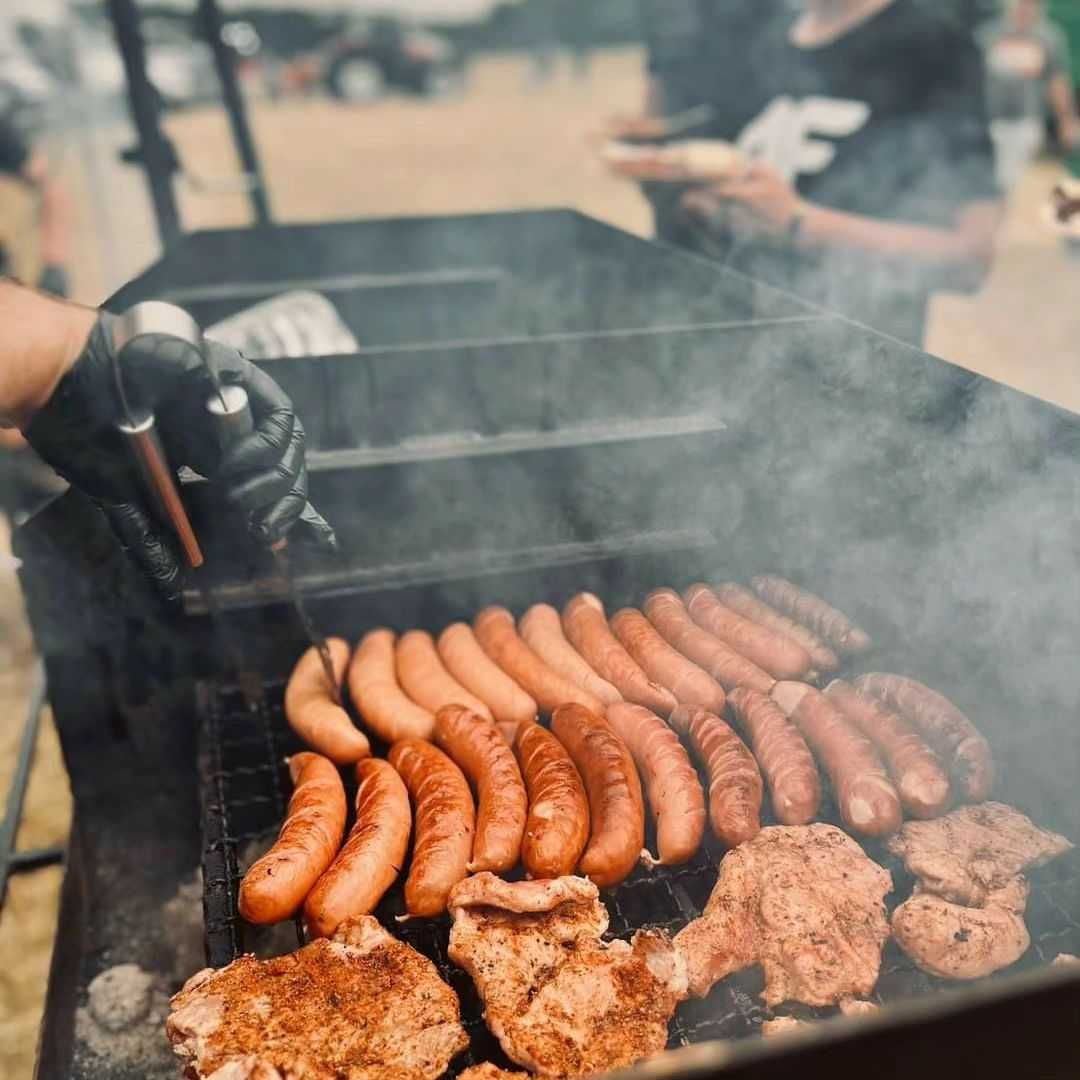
783 134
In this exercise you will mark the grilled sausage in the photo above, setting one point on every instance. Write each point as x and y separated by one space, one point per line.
616 808
667 666
782 753
587 630
668 614
671 781
494 629
541 629
423 677
743 601
276 884
735 787
778 655
484 756
476 671
557 827
378 697
445 821
373 855
313 713
917 772
943 725
866 797
825 621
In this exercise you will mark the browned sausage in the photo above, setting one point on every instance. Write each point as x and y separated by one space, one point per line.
616 807
425 680
668 614
541 629
587 630
485 757
735 787
667 666
494 628
675 795
822 658
834 626
373 855
378 697
778 655
445 821
943 725
476 671
919 775
782 753
557 827
313 713
276 884
866 797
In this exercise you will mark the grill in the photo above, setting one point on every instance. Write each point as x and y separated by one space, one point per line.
541 404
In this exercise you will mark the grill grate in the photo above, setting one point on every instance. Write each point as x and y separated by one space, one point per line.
244 742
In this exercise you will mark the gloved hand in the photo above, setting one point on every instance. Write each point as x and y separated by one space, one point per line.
54 279
264 474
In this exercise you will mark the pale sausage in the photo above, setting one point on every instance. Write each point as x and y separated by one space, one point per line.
378 696
541 629
476 671
313 713
587 630
821 617
671 781
867 800
425 680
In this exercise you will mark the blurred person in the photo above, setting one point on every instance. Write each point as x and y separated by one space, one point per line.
872 177
1028 76
542 36
58 386
27 170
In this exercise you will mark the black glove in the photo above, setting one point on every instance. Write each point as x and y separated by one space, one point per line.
263 474
54 279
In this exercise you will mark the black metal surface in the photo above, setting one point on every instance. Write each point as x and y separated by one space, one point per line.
155 153
245 788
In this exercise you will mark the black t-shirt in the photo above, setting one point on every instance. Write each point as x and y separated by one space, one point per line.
887 121
14 148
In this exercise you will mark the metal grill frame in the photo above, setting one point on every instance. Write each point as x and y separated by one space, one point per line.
244 738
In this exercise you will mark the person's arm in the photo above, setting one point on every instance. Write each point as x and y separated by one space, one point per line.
1063 102
42 339
55 211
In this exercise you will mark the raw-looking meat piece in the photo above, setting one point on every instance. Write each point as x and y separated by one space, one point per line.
954 941
966 854
782 1025
856 1007
805 903
560 1001
362 1005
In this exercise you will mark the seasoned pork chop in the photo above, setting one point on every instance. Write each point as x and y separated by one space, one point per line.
965 855
802 901
958 942
362 1006
560 1001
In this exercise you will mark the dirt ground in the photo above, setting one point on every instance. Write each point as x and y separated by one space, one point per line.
501 145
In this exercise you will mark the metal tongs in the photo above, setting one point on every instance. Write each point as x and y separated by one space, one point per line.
153 325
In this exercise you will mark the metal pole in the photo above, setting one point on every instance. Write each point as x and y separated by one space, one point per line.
155 152
210 21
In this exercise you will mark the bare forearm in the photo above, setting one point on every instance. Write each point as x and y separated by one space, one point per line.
1063 101
41 339
971 238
